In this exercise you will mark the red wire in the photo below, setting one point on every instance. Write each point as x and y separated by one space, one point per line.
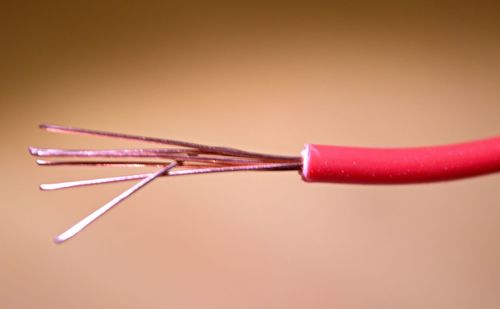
323 163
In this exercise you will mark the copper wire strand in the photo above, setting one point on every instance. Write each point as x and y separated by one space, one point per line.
42 152
111 153
123 163
190 159
206 148
98 181
75 229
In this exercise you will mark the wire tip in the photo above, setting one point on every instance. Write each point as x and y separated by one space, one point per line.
33 150
69 233
49 187
58 240
49 127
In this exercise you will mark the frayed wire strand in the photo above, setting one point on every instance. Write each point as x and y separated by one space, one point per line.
190 159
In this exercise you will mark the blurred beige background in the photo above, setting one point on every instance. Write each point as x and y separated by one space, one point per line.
266 78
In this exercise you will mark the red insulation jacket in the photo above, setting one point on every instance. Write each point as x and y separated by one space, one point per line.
336 164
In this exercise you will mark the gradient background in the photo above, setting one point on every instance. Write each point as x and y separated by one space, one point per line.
266 78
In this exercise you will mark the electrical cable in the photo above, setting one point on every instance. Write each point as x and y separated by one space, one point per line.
318 163
400 165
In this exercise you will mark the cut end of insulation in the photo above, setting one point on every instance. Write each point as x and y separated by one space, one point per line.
305 162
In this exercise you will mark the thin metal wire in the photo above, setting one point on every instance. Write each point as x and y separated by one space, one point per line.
39 152
110 153
122 163
164 141
192 159
99 181
75 229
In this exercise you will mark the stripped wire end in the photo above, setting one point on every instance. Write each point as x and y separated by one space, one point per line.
185 159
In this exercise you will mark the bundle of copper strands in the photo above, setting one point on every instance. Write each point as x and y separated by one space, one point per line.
318 163
185 159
